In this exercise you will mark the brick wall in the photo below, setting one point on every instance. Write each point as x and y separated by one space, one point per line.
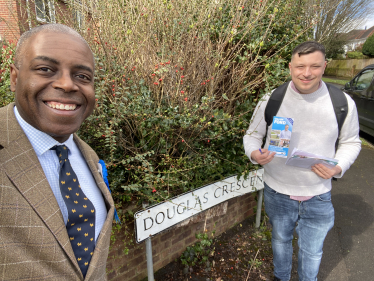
170 244
8 20
14 17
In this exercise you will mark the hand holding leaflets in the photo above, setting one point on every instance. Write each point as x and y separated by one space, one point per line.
323 166
262 156
306 160
280 137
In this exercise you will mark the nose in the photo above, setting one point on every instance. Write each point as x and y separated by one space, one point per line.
65 82
307 72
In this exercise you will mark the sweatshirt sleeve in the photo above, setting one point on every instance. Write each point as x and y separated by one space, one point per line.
252 140
349 140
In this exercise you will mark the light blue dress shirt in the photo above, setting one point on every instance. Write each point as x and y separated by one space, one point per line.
285 135
42 143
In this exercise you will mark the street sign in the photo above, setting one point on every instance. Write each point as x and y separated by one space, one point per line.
157 218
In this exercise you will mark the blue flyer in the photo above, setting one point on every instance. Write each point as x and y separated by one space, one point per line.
280 136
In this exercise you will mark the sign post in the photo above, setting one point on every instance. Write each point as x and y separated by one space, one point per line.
259 206
148 249
157 218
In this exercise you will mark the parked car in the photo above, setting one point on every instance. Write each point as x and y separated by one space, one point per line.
361 89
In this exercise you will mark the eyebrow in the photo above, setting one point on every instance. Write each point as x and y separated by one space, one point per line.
79 66
46 59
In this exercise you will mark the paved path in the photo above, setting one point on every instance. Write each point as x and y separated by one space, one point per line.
349 246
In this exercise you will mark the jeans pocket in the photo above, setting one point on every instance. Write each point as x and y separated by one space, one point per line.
325 197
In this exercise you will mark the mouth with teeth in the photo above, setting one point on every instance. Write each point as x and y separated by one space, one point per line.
61 106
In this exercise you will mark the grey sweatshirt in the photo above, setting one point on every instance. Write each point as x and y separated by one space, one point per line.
315 130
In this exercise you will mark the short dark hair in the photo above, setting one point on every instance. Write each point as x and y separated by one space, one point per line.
51 27
309 47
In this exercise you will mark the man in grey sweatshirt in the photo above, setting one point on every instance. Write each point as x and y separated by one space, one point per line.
297 197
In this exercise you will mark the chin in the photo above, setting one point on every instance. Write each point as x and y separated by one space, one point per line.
61 133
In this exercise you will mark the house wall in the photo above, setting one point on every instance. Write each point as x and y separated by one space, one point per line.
169 245
353 44
17 16
9 28
346 68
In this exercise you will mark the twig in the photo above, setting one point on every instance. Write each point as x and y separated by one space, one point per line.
252 265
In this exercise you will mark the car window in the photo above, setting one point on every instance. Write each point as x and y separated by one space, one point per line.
363 81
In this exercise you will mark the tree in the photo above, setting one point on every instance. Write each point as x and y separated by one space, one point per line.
333 18
368 47
335 47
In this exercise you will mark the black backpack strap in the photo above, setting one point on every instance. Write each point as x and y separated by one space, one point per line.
273 106
340 104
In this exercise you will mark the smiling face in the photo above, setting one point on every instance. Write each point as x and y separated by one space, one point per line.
54 85
286 128
307 70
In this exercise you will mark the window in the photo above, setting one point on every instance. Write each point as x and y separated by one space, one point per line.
79 18
363 81
45 10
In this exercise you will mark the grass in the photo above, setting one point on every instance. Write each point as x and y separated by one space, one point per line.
336 81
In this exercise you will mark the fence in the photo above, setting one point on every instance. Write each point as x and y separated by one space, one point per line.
346 68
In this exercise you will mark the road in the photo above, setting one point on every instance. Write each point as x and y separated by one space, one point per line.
348 248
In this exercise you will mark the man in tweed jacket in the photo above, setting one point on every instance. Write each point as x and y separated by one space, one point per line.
53 83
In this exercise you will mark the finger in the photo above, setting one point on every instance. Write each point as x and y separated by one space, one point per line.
268 158
320 171
317 172
326 171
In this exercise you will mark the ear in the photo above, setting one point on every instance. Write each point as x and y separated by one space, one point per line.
13 77
289 66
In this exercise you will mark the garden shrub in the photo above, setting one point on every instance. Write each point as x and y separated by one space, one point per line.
368 47
355 55
176 85
6 58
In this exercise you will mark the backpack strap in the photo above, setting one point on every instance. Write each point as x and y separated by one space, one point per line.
273 106
340 104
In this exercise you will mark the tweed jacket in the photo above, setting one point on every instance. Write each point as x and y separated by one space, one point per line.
34 243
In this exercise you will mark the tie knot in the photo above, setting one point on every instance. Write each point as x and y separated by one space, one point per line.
61 151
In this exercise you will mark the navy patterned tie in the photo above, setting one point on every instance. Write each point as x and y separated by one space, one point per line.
81 220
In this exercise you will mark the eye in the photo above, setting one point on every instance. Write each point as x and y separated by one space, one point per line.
84 77
45 69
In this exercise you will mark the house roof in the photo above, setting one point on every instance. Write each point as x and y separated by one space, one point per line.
360 34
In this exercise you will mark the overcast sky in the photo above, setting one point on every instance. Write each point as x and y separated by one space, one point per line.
369 23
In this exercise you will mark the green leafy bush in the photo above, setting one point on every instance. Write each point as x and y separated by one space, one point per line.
6 59
368 47
176 87
355 55
199 252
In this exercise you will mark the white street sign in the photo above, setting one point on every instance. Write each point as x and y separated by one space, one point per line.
155 219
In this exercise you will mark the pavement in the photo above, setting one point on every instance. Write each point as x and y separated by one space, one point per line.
348 249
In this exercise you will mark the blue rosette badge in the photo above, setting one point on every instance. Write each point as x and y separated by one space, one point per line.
105 177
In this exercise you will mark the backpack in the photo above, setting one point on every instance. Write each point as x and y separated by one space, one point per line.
338 99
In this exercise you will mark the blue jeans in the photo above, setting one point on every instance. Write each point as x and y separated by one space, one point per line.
312 218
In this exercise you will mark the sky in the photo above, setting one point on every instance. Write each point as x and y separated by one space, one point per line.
368 23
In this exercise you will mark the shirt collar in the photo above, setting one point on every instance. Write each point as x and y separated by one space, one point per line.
40 141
